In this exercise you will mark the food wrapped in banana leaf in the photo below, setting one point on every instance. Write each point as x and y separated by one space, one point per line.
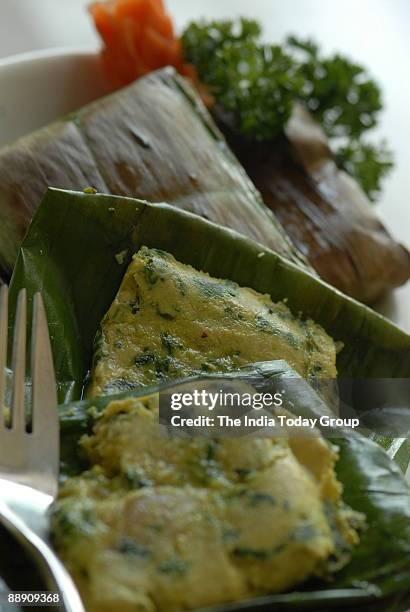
126 519
153 140
323 210
78 289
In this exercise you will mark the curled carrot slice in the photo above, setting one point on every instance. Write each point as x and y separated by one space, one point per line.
138 37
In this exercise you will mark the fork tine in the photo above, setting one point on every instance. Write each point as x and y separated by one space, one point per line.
44 394
3 349
18 417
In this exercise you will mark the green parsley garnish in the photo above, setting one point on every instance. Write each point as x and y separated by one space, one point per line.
338 91
254 86
252 82
368 163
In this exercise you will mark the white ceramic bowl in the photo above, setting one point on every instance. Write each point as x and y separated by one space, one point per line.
36 88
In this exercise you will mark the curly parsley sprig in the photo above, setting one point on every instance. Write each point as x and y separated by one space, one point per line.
368 163
256 85
338 91
253 82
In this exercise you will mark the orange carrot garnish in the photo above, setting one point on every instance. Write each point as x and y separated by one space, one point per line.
138 37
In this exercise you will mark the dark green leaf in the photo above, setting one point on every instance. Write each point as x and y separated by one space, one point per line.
69 255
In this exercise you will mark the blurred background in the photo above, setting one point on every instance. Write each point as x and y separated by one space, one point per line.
373 32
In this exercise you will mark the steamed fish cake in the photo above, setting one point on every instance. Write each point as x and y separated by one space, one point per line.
170 320
166 524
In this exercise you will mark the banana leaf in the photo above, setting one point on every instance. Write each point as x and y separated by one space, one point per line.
78 248
323 210
378 575
153 140
76 252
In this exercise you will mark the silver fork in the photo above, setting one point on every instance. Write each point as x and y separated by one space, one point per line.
29 460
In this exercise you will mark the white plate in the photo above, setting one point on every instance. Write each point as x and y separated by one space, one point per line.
37 88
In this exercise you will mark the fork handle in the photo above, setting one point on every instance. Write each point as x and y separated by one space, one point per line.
53 571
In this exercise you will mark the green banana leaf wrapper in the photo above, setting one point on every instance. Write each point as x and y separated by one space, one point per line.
76 253
78 248
378 575
153 140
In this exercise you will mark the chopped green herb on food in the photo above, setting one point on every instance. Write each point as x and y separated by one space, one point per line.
216 326
174 565
128 546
